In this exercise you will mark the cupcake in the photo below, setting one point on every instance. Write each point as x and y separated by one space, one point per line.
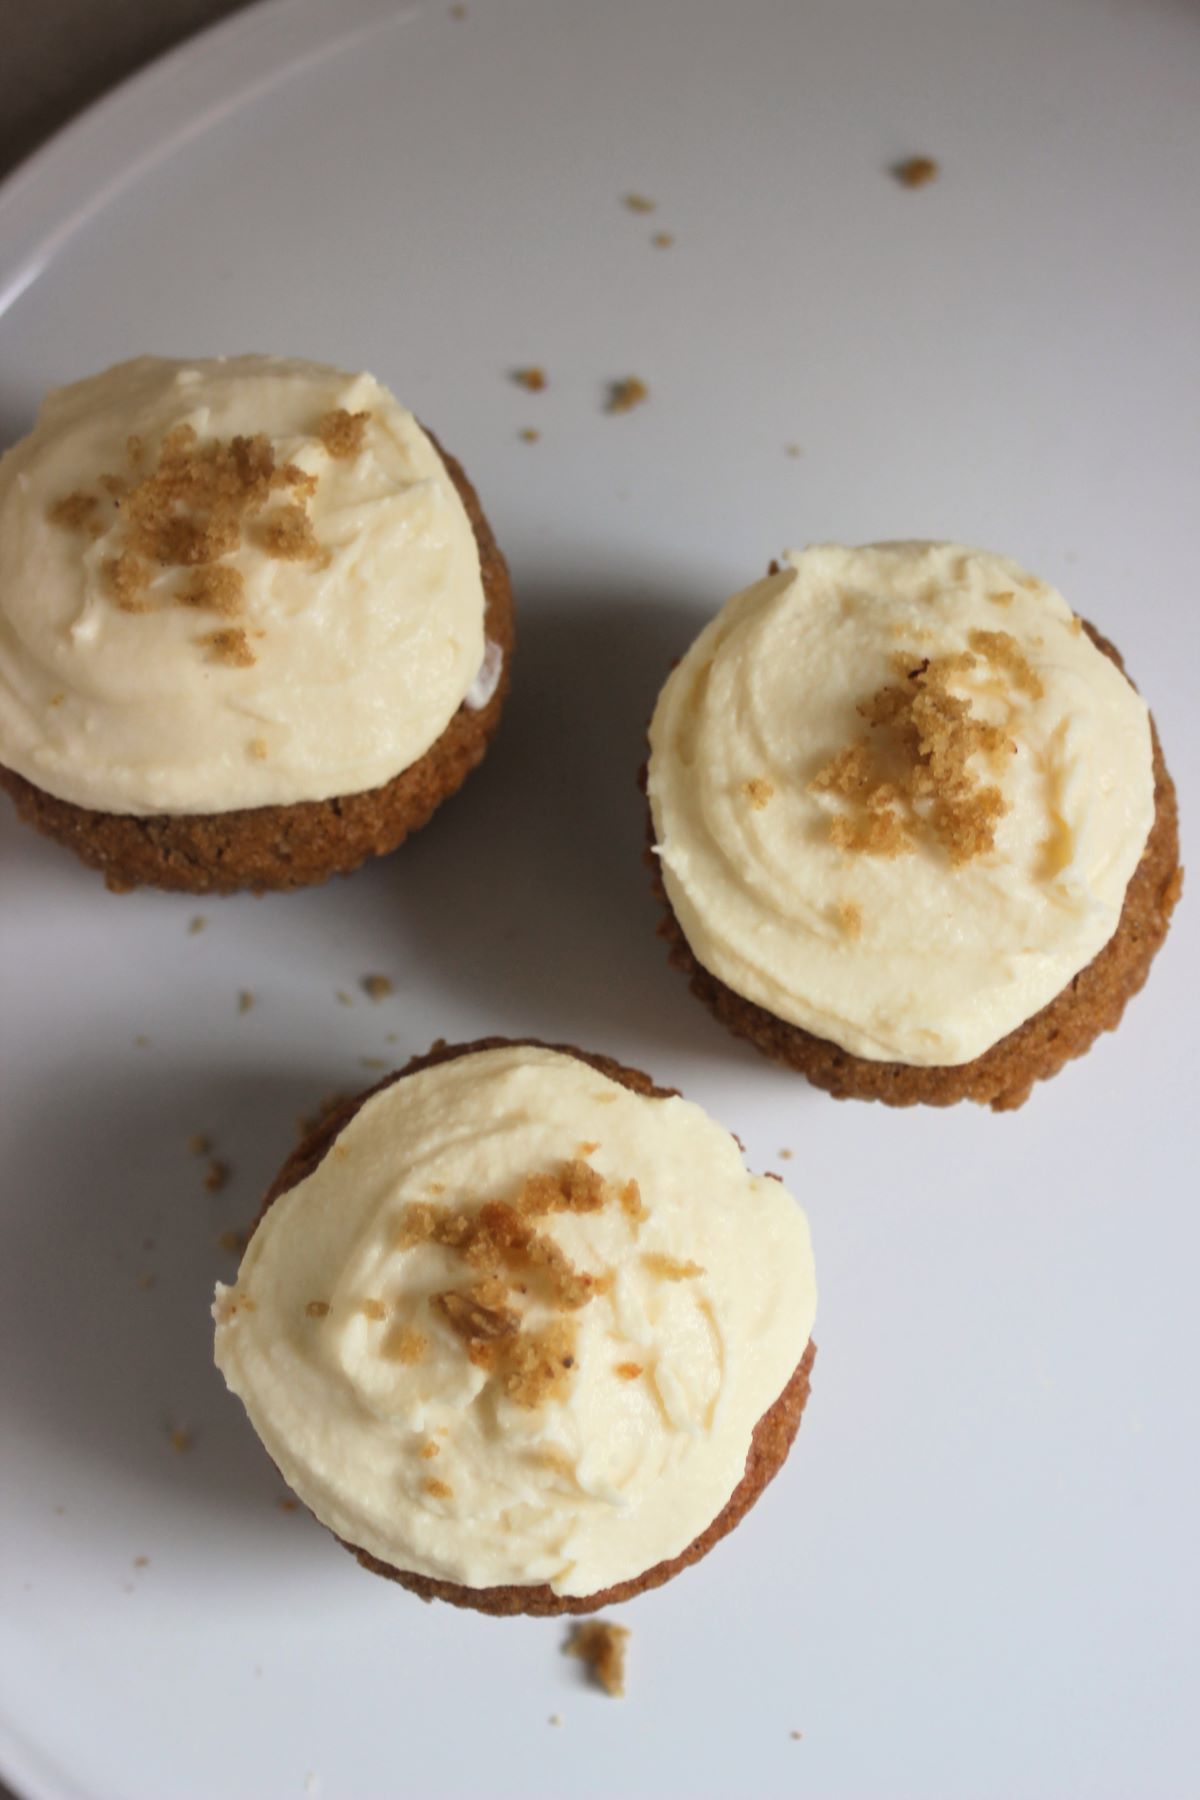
521 1330
254 626
911 824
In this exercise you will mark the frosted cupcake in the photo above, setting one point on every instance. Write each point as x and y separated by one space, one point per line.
911 823
521 1329
254 626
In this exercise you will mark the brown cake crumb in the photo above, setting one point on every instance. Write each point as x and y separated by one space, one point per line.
285 1503
916 171
233 1241
600 1646
440 1490
849 917
197 924
245 1000
372 1309
638 203
533 380
141 1562
627 393
74 512
198 1144
405 1344
1002 651
215 587
933 735
376 987
317 1309
529 434
758 792
342 433
181 1440
230 646
662 240
430 1450
669 1268
216 1176
628 1371
127 577
787 1155
288 535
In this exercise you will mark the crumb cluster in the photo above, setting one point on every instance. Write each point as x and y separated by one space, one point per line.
601 1647
916 781
533 380
193 508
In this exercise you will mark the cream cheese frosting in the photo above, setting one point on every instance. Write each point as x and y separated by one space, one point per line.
911 956
376 1416
344 619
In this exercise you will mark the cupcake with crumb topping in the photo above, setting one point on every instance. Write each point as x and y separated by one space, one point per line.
254 626
910 823
521 1329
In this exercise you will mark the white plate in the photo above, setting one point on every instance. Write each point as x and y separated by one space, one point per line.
977 1575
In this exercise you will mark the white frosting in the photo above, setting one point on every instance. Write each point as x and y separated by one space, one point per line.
580 1493
360 662
949 958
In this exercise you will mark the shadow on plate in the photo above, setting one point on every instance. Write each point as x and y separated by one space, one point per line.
528 899
111 1251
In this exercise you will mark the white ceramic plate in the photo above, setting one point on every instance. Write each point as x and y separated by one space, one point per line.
977 1575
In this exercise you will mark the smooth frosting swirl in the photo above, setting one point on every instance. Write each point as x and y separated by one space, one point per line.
671 1371
347 662
911 956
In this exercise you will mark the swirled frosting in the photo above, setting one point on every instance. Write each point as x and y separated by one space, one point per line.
659 1313
226 584
898 795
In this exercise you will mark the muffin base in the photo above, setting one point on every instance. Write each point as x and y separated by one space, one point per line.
769 1445
1003 1077
280 847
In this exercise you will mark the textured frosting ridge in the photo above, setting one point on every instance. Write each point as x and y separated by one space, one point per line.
898 795
231 583
676 1308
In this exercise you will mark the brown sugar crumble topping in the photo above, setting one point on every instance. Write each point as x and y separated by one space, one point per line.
628 1371
601 1648
317 1309
669 1268
229 645
849 917
916 171
928 791
74 512
215 587
192 509
439 1490
287 534
343 433
404 1344
758 792
430 1450
627 393
500 1243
